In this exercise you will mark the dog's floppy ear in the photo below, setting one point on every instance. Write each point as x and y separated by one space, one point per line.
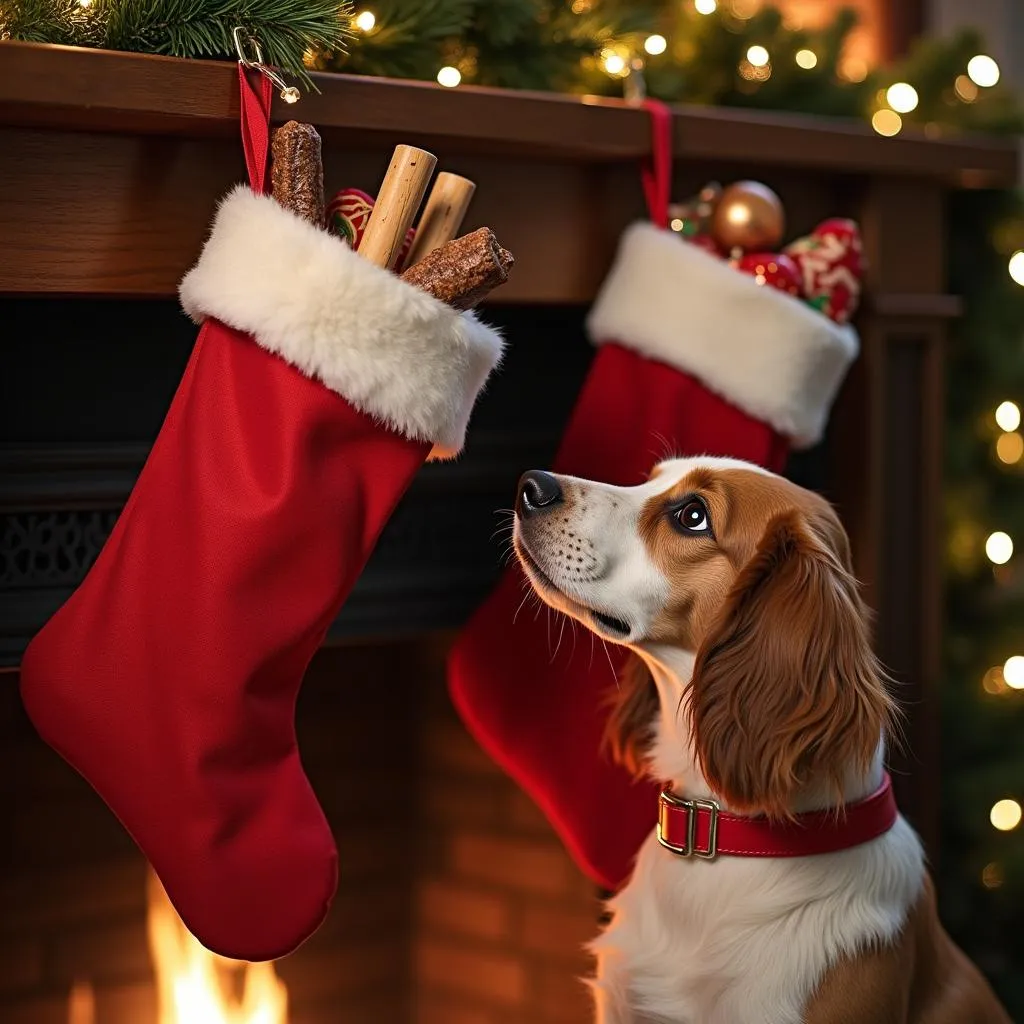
629 729
785 687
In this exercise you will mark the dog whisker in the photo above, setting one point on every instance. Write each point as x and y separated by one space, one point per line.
558 645
608 655
526 597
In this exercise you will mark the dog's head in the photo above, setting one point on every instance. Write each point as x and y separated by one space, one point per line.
750 572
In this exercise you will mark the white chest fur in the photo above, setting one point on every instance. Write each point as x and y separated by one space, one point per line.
746 940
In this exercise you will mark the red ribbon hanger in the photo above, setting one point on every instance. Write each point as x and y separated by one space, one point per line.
657 169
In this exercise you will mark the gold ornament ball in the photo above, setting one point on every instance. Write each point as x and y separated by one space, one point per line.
748 216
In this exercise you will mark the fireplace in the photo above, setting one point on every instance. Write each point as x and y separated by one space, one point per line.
465 910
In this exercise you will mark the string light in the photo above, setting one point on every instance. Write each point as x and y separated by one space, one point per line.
752 74
886 122
1008 415
853 69
676 224
992 876
999 547
1005 815
983 70
902 97
758 56
655 44
806 59
1016 267
705 6
614 64
365 20
449 77
1010 448
1013 672
965 89
993 681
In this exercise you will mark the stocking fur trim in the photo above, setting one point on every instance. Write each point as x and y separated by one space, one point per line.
766 352
391 350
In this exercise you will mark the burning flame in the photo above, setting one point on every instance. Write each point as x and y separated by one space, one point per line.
195 986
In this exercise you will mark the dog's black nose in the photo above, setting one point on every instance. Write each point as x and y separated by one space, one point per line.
537 490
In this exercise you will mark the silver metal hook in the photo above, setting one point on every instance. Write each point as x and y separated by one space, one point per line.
634 85
289 93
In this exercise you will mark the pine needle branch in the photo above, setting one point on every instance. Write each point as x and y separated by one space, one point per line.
286 29
41 21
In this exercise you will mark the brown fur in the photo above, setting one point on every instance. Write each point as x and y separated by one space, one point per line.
920 978
634 704
786 689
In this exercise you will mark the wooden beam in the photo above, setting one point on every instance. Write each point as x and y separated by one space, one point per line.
95 90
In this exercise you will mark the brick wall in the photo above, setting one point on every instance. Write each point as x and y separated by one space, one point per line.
469 912
502 913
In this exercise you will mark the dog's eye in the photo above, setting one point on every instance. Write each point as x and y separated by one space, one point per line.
692 517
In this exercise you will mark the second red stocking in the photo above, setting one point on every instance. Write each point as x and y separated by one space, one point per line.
693 358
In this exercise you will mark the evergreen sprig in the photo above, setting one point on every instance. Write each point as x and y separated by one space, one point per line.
42 21
287 30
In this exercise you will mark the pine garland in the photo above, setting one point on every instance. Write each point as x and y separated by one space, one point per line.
43 21
287 30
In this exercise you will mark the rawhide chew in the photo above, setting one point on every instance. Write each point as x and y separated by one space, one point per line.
463 271
297 171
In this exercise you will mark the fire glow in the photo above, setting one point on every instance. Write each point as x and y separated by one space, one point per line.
195 986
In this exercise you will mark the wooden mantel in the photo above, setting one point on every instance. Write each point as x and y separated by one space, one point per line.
111 165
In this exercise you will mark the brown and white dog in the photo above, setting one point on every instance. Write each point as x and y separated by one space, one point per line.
755 688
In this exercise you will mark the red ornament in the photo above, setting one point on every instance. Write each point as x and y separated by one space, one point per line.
348 214
771 268
831 264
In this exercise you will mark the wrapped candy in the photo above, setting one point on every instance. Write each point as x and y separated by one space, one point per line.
348 213
830 261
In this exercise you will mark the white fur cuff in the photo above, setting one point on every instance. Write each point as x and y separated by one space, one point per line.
391 350
766 352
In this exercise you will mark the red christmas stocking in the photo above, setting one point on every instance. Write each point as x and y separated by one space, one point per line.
693 357
315 391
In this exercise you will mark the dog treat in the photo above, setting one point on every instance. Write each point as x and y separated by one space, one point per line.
297 171
398 199
463 271
442 216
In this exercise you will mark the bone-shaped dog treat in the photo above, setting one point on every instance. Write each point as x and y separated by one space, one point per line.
297 171
463 271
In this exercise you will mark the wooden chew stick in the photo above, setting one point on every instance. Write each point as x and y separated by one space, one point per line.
463 271
442 216
400 195
297 171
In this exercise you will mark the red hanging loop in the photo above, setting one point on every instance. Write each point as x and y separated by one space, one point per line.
255 108
657 169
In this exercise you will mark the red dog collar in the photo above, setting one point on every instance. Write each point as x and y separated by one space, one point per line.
697 828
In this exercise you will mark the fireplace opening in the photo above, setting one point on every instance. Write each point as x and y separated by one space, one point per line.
466 910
